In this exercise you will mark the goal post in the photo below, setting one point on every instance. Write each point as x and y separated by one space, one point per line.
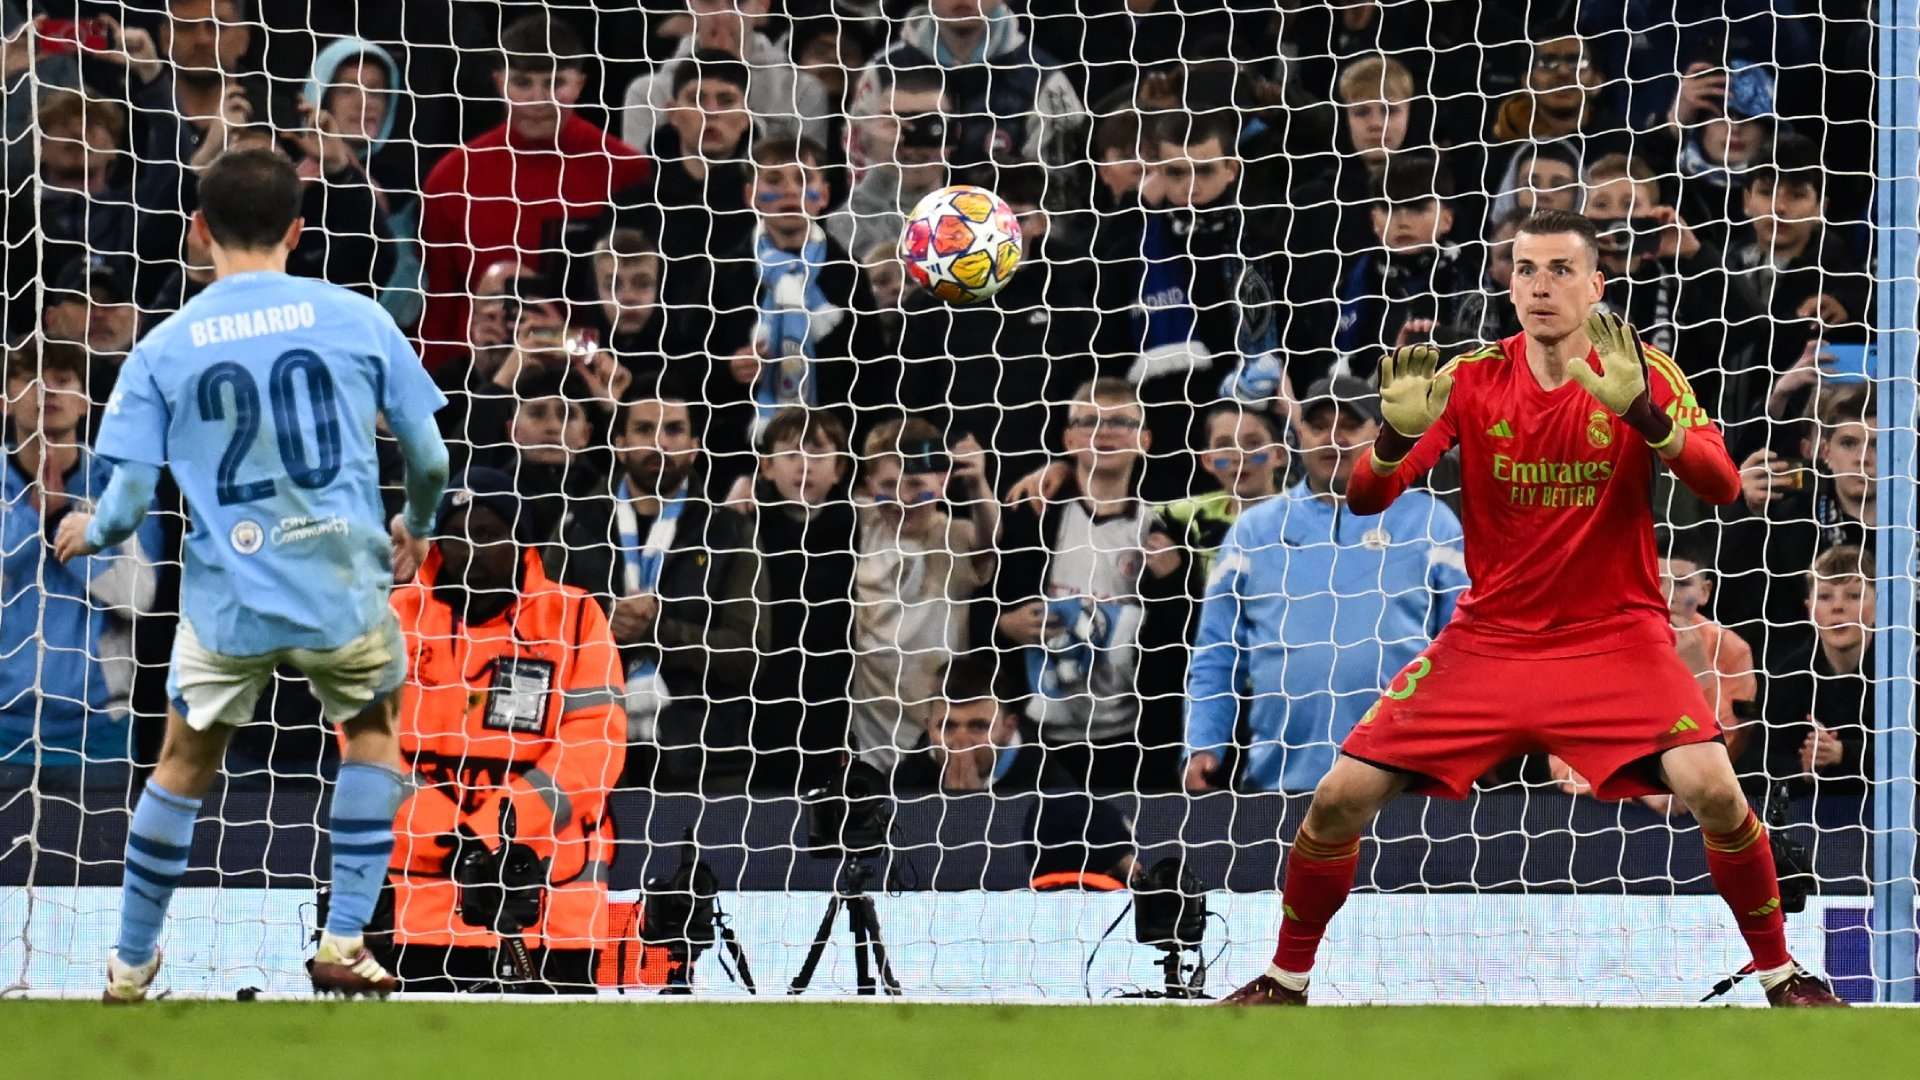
1897 215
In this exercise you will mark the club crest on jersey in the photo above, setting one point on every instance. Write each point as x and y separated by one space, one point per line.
1600 429
246 536
1375 539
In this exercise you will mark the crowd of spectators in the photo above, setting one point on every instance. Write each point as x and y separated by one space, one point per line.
649 257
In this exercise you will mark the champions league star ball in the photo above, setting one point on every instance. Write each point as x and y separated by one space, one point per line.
961 243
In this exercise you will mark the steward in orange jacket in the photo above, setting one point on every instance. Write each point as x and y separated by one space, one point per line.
512 701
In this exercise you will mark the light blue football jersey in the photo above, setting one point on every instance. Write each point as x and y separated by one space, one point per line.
261 396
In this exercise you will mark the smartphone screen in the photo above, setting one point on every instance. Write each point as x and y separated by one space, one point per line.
1846 363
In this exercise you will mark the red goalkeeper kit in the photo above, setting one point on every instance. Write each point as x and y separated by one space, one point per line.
1562 643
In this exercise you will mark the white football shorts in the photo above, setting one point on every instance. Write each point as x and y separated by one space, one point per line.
208 688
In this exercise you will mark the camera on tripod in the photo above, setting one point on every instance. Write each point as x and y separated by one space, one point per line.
1170 914
851 820
850 817
680 913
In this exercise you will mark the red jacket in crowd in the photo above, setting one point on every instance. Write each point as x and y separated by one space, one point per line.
492 198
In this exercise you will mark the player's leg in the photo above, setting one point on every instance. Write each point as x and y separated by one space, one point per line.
1740 859
356 685
158 840
1635 723
209 695
1326 852
1319 875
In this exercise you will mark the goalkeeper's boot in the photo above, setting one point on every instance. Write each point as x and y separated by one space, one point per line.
1265 990
127 983
344 966
1803 990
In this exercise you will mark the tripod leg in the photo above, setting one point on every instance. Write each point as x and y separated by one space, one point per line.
870 916
818 948
856 923
739 958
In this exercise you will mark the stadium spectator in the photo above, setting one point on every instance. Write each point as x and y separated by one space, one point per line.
66 661
1321 37
916 567
658 336
209 86
344 240
1486 314
1722 121
1092 590
1181 288
547 436
348 241
971 741
1410 272
1671 284
1010 99
510 306
783 100
90 304
701 171
1117 155
900 137
56 53
512 727
1538 177
804 529
679 578
1314 607
74 208
785 304
834 51
1820 693
992 371
1720 660
353 98
1559 103
887 280
1802 271
183 282
1795 507
1245 456
1379 115
501 194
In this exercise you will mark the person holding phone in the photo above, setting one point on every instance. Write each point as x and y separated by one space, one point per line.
1793 508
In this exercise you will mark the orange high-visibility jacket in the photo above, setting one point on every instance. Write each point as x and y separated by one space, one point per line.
525 709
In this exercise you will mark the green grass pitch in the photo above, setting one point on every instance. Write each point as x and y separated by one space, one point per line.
490 1041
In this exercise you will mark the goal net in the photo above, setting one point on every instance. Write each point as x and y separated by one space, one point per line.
940 622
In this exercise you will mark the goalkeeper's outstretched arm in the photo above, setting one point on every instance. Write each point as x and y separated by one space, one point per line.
1414 390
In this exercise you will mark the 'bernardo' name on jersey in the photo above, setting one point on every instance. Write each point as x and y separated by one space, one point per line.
259 322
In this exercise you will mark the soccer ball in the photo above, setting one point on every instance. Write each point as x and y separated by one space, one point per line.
961 243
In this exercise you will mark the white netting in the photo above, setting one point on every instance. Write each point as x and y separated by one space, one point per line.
897 511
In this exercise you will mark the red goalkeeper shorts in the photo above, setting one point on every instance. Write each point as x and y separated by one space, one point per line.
1451 716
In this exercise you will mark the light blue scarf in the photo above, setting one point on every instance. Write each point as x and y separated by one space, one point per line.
785 330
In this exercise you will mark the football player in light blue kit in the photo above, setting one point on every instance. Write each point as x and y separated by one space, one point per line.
262 395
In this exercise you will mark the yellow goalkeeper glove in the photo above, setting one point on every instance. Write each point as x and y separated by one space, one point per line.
1622 377
1412 392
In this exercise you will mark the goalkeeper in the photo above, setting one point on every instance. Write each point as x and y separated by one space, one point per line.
1562 643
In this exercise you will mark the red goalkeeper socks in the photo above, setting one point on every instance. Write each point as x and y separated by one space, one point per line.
1741 863
1319 877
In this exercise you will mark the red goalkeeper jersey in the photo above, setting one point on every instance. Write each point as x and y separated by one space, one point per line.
1556 504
